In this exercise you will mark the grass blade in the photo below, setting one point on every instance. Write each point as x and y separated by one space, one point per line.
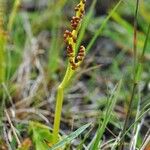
136 74
140 67
146 42
107 115
70 137
83 141
138 119
99 31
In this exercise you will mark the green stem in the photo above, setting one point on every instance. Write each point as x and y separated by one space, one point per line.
2 43
121 147
58 109
2 60
59 102
13 15
135 81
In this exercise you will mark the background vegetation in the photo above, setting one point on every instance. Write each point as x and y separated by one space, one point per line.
107 102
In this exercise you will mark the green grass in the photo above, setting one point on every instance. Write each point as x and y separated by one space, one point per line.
96 143
105 101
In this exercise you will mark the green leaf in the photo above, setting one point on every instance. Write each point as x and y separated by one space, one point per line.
99 31
121 32
41 135
70 137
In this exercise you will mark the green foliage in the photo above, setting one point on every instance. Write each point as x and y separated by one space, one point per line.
124 31
69 138
41 135
2 59
100 29
107 115
117 26
2 43
13 15
55 45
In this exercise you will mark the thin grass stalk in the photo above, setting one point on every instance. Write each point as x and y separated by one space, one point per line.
2 44
10 23
84 139
57 8
136 75
121 147
110 106
145 43
99 31
135 38
69 138
136 126
13 15
140 68
138 119
2 59
131 126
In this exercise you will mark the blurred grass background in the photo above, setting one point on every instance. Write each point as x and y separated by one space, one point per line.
36 62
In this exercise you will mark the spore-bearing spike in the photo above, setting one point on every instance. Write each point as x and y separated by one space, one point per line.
70 37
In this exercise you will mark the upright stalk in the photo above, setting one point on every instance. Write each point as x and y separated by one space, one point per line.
74 61
13 15
2 43
135 82
2 60
59 102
